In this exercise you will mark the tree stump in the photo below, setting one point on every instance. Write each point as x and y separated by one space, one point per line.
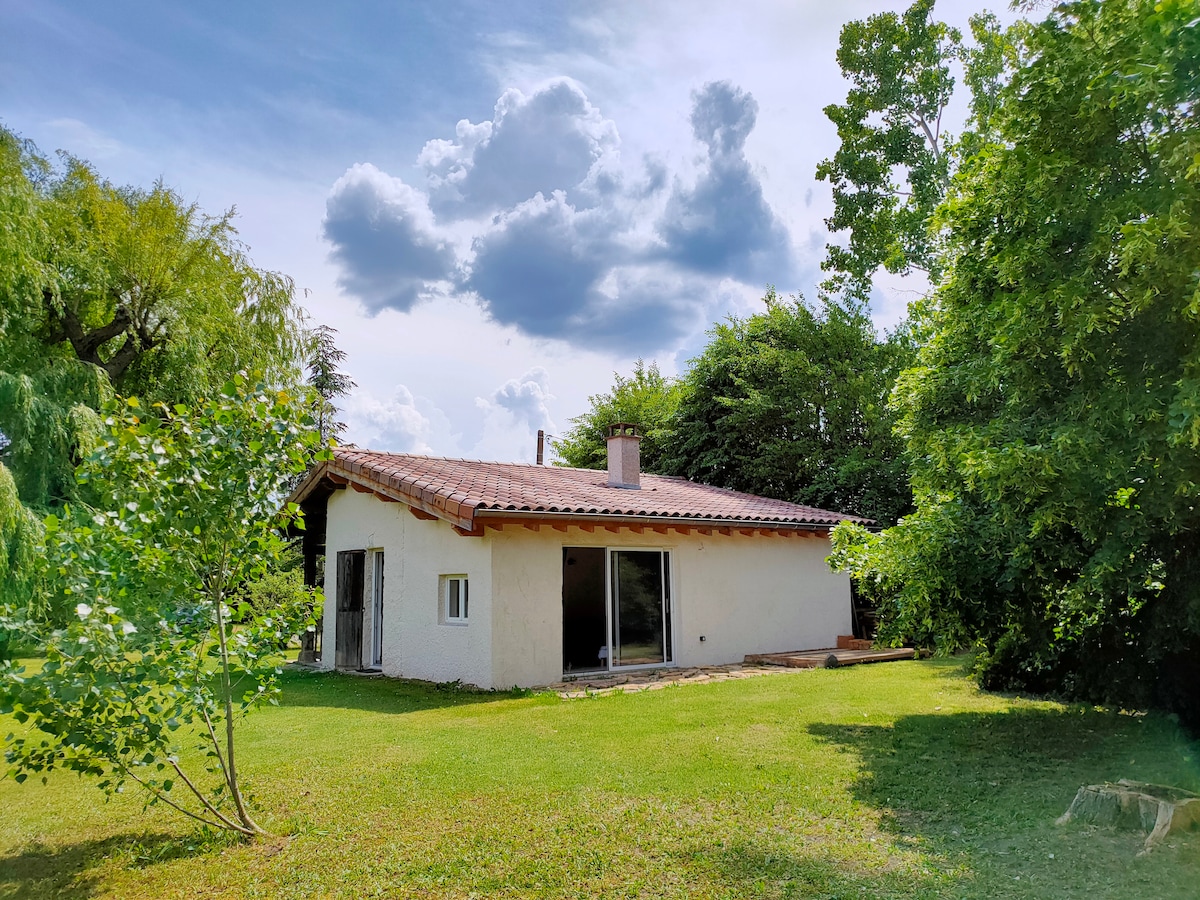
1135 806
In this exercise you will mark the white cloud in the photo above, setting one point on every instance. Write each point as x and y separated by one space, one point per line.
399 424
571 248
384 238
526 398
545 142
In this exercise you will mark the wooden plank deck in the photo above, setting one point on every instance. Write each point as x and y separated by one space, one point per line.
828 658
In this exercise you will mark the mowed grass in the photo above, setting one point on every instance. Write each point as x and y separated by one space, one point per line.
891 780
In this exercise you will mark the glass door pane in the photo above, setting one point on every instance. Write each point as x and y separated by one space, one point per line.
377 611
638 619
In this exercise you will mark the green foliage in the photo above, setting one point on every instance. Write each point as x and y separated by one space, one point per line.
279 589
646 398
890 131
326 380
791 403
895 161
48 423
20 554
187 514
105 287
1053 420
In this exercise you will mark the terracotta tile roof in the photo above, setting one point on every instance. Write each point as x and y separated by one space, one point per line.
464 491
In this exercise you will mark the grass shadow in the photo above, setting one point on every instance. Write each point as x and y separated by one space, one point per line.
748 870
72 871
982 791
377 693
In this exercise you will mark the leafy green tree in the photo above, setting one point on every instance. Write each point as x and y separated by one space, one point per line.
103 290
326 379
895 159
646 398
791 403
187 515
1053 420
106 288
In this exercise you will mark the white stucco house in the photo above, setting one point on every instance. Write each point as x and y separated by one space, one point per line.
503 574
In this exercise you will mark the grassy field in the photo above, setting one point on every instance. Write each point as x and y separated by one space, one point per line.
892 780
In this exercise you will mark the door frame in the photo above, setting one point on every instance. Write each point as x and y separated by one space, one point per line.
670 608
377 586
347 654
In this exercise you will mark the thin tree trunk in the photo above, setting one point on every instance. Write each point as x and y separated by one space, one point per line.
230 766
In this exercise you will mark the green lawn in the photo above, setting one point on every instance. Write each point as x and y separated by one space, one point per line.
892 780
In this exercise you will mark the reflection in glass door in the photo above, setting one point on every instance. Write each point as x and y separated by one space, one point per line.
639 581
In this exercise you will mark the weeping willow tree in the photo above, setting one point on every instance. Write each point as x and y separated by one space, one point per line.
107 289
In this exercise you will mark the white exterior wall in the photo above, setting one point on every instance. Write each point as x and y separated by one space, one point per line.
416 644
744 594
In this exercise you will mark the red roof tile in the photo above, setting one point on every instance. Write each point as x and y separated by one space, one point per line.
480 488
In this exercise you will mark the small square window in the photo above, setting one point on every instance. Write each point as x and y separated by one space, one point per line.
455 598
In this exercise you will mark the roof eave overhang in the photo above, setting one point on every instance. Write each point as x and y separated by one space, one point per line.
456 513
485 517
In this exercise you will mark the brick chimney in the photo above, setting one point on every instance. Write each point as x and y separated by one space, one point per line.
624 456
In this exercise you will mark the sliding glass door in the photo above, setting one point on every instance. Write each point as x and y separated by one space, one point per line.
639 583
616 608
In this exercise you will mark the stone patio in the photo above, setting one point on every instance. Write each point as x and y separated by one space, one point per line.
655 679
597 683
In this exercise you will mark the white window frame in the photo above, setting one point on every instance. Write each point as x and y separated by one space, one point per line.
464 600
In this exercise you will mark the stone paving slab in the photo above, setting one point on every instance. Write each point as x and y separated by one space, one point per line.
656 679
765 664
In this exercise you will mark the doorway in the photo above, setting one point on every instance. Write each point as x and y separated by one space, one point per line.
584 621
377 609
616 608
351 565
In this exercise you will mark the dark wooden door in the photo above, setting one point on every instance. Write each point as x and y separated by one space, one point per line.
351 570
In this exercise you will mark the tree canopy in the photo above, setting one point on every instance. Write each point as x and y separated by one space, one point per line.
646 399
1053 418
327 380
792 403
109 289
106 291
895 157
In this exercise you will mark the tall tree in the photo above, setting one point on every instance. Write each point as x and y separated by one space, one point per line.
646 399
104 289
327 380
792 403
895 158
1053 421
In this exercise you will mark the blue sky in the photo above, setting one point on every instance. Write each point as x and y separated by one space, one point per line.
497 205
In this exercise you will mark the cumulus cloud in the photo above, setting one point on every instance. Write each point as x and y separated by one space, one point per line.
538 265
511 416
384 239
553 236
723 224
526 398
548 141
396 424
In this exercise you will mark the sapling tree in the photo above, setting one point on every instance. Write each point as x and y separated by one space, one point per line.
161 656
